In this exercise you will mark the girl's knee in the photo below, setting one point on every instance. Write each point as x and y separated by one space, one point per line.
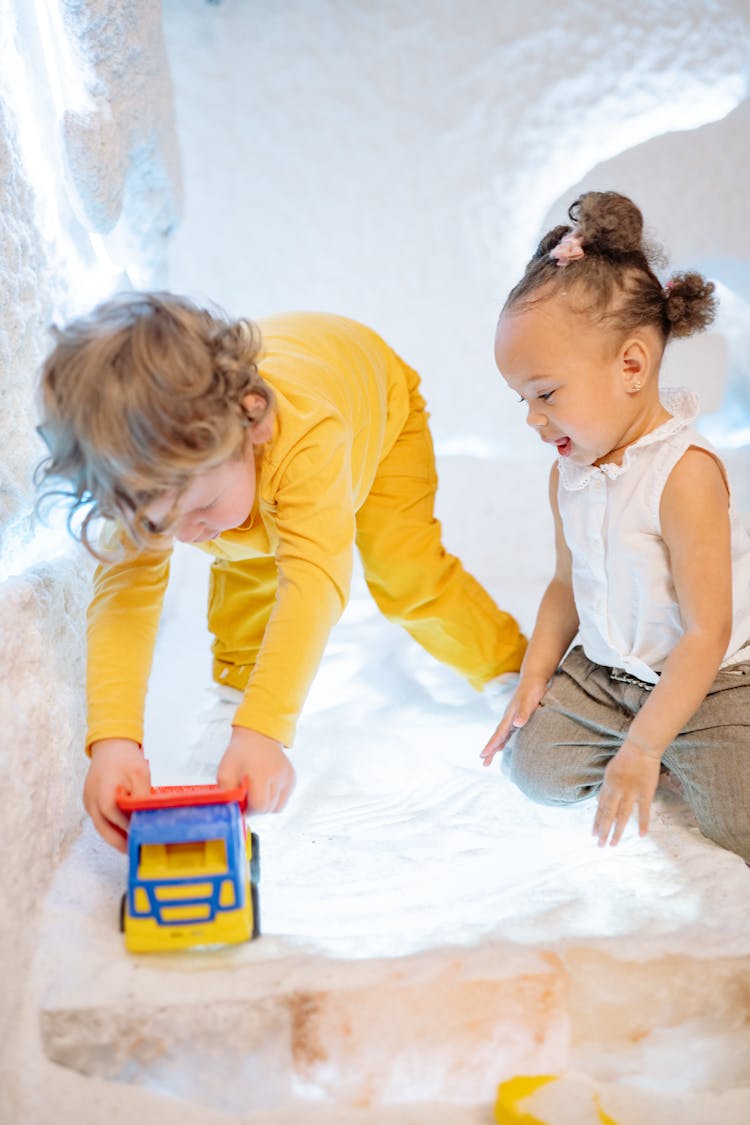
545 773
732 837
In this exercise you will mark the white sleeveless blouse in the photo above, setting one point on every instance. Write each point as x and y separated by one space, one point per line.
622 581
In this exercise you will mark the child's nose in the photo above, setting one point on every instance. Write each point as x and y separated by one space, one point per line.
187 530
535 418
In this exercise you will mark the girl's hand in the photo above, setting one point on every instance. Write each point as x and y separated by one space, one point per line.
522 706
263 762
630 779
116 763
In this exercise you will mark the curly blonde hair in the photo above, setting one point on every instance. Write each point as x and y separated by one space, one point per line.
138 396
614 281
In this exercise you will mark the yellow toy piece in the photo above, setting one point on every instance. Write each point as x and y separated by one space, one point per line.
512 1092
516 1090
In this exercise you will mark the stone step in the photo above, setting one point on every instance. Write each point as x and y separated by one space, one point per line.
263 1028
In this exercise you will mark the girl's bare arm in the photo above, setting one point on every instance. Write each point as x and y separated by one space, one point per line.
556 626
696 531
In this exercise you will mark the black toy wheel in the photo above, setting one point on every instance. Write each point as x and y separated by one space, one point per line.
123 903
255 859
254 898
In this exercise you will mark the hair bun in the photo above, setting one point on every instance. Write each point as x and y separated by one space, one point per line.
690 303
608 221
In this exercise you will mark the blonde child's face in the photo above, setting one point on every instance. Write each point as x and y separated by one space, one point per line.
581 398
216 500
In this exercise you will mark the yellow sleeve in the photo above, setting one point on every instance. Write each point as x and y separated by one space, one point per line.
314 517
123 618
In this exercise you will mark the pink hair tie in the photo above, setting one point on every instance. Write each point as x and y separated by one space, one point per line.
568 249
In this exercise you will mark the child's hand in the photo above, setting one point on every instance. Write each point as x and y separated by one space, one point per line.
115 763
263 761
522 706
630 779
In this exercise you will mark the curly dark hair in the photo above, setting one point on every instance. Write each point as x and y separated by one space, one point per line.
614 281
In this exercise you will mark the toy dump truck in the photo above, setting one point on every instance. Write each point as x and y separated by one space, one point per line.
193 869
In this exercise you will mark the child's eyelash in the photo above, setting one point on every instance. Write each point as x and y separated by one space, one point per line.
544 397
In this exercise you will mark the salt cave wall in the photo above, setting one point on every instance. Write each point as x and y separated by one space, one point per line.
89 189
397 164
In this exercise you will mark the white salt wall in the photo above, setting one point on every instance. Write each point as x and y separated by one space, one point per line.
87 148
397 162
701 221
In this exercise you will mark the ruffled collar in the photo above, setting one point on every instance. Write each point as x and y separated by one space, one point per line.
682 404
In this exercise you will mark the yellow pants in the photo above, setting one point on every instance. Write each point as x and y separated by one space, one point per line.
413 579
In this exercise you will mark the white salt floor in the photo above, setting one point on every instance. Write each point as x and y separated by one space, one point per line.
427 931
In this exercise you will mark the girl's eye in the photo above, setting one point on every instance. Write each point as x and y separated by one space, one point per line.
520 399
546 396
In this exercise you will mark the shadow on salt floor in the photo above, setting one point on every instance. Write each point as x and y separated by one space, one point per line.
397 839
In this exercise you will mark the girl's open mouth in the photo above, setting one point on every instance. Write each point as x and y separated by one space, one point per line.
564 446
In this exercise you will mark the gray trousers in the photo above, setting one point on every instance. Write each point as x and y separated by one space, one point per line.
559 757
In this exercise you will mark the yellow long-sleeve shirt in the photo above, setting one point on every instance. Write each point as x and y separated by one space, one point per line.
341 401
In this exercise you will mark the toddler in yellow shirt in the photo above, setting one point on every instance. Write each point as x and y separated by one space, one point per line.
275 446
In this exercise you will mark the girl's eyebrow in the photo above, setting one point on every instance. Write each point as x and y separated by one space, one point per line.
533 381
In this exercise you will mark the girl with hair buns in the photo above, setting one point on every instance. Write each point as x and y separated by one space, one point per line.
275 447
653 566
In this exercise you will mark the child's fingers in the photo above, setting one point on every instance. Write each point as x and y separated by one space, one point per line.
526 706
606 815
498 739
644 815
111 833
623 816
272 795
487 753
261 792
112 815
103 809
140 781
285 792
493 747
518 714
137 784
225 779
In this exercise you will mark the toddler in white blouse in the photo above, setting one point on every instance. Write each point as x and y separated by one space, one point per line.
653 566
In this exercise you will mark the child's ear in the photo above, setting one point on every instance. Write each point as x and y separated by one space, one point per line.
636 365
254 405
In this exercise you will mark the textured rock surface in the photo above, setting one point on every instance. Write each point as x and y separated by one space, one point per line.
398 164
700 222
76 159
41 766
121 148
25 309
86 145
